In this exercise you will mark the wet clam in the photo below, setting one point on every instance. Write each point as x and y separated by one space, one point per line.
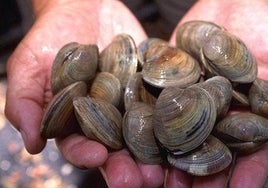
192 35
226 55
146 49
221 91
99 121
138 133
74 62
107 87
258 97
183 118
136 91
60 109
120 58
170 66
211 157
243 132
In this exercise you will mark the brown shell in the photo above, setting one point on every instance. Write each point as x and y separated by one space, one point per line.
183 118
99 120
138 133
220 89
211 157
120 58
74 62
107 87
192 35
60 109
258 97
243 131
226 55
169 66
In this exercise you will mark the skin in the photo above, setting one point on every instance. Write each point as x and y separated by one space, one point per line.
61 21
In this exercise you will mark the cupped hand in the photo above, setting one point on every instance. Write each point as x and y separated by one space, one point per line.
29 69
249 21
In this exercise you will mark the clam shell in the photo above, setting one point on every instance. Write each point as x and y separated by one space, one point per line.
192 35
143 49
183 118
138 133
220 89
120 58
136 91
244 132
74 62
226 55
99 120
170 66
107 87
211 157
60 109
258 97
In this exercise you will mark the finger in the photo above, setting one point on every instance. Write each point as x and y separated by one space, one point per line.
215 180
24 100
251 170
82 152
177 178
121 171
153 175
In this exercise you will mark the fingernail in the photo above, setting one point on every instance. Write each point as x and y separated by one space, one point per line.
101 169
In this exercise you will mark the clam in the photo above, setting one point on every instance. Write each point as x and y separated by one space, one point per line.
170 66
138 133
211 157
226 55
120 58
136 91
220 89
60 109
191 35
258 97
146 49
243 131
107 87
99 120
74 62
183 118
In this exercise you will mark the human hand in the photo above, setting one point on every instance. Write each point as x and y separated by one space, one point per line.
248 20
29 70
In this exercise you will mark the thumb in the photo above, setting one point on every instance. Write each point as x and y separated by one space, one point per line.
25 98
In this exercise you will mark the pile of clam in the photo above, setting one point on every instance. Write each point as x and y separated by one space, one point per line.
163 103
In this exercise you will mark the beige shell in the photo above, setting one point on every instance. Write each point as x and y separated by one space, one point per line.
226 55
258 97
107 87
60 110
191 35
243 131
220 89
137 91
74 62
183 118
99 120
170 66
120 58
150 43
210 158
138 133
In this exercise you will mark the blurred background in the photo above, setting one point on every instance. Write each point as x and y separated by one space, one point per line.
18 169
